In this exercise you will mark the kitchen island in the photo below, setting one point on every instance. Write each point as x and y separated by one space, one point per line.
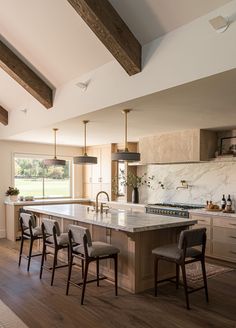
134 233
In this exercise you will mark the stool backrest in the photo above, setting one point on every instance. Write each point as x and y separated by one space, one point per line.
49 224
27 220
79 234
191 238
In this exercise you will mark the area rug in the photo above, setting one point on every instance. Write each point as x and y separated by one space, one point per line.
194 272
8 319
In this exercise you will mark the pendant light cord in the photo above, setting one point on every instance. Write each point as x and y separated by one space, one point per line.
85 137
126 111
55 143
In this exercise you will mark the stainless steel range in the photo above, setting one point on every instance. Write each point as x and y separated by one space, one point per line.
174 209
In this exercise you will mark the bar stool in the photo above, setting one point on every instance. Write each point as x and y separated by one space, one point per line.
52 238
29 231
181 254
89 251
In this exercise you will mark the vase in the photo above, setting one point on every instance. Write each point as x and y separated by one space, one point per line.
13 198
135 195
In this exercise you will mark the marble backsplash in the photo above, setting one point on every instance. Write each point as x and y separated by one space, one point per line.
207 181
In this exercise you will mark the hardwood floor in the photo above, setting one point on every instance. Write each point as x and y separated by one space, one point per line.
40 305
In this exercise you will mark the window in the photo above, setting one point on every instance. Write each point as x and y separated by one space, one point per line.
120 170
32 178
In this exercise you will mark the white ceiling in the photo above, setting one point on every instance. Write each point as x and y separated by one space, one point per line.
205 103
51 36
150 19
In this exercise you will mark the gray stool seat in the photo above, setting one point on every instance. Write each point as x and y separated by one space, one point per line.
98 248
173 252
182 254
30 232
54 239
62 240
37 231
89 251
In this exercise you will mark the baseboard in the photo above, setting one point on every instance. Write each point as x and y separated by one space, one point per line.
2 233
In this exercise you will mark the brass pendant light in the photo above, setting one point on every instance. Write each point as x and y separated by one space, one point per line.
54 161
85 159
125 155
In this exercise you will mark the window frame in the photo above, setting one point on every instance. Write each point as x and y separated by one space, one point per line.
43 156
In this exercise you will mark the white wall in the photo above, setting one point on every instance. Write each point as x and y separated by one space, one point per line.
7 149
208 181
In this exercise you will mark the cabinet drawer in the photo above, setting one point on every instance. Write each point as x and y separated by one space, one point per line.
202 220
224 222
224 235
224 251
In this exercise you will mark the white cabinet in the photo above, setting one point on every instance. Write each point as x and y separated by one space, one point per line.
98 177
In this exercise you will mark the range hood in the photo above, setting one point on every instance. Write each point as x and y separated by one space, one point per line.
188 146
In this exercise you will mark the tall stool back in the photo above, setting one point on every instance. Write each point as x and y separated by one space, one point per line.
29 231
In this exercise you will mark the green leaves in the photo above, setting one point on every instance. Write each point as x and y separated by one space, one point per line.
12 191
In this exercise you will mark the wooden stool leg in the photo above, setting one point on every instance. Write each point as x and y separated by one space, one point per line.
21 249
116 273
85 281
30 253
155 274
177 276
54 265
185 285
82 264
42 260
69 274
97 266
204 278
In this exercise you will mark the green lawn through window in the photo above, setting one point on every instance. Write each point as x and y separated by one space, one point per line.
34 187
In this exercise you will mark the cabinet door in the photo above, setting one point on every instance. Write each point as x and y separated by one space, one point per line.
105 154
96 175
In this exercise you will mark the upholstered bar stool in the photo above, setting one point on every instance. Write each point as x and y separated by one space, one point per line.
52 238
89 251
181 254
29 231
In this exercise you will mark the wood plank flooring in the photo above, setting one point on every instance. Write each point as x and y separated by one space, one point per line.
40 305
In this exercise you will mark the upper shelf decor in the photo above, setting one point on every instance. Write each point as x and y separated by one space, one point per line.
85 159
125 155
54 161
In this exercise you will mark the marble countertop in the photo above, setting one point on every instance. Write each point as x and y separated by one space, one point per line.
129 221
128 204
47 201
212 213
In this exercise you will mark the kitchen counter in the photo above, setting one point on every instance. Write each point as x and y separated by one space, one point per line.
212 213
115 219
133 232
47 201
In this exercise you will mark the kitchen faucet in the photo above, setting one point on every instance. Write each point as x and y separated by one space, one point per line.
96 206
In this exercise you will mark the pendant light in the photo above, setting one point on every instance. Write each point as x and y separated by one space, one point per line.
85 159
54 161
125 155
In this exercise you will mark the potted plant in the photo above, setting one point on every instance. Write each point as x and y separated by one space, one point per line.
135 182
12 193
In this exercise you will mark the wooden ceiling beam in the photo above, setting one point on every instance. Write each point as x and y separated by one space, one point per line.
24 75
112 31
3 116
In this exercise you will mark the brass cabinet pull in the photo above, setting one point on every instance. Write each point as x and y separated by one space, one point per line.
201 220
233 224
234 237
